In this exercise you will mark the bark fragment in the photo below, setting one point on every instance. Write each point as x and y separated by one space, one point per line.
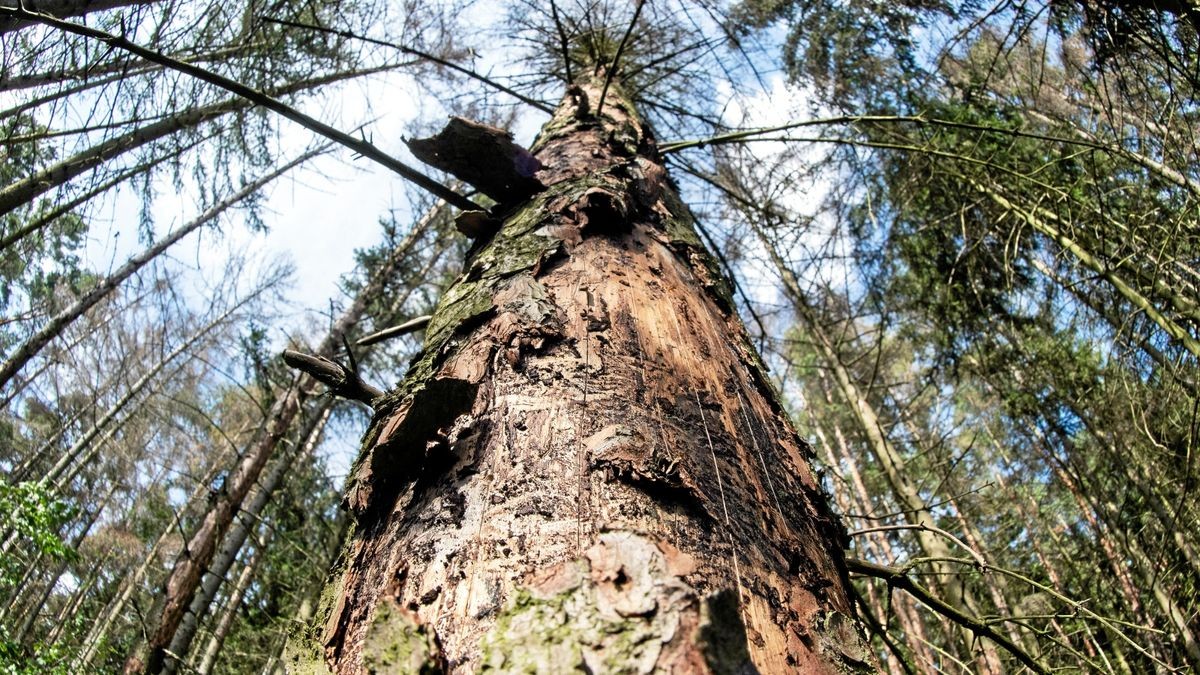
483 156
408 441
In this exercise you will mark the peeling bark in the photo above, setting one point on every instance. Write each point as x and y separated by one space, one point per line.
587 467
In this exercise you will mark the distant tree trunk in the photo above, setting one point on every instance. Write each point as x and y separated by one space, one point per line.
587 468
251 515
228 614
188 570
100 631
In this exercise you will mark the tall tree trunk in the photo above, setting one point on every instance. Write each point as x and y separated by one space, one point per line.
188 570
949 581
587 467
249 518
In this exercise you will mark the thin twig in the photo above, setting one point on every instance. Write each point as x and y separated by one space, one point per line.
748 134
926 528
419 54
562 38
612 68
898 578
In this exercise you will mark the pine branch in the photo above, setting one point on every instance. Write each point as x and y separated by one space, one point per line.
563 44
751 134
359 146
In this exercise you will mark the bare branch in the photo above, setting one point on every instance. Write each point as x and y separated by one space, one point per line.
612 68
410 326
419 54
897 578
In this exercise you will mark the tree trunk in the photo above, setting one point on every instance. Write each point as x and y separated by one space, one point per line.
228 614
100 630
250 515
188 570
587 467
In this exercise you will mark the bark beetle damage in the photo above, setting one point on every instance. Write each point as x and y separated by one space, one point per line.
620 452
411 437
408 441
586 394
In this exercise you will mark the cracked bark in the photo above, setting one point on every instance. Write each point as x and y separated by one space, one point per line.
587 468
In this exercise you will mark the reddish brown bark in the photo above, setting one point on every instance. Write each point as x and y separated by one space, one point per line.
588 467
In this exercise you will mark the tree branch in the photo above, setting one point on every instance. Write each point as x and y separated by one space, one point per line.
750 134
612 68
926 528
563 44
897 578
419 54
409 326
341 380
357 145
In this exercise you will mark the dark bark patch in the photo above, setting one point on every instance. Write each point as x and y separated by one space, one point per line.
483 156
476 224
603 212
401 449
624 454
722 635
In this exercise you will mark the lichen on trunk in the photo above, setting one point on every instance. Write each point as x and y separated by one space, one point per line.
587 467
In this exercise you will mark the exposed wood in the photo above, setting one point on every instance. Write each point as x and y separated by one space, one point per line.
587 467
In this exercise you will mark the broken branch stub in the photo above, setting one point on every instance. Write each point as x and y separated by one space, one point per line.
483 156
342 381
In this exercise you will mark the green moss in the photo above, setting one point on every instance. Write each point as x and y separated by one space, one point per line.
567 632
395 643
